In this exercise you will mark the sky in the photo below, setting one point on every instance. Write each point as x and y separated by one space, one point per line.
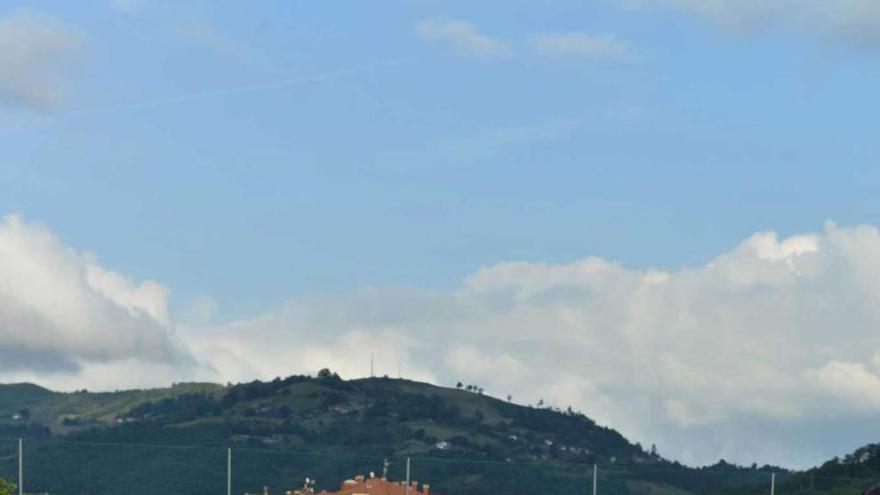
660 212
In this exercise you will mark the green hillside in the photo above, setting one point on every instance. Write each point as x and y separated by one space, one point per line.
281 431
848 475
25 405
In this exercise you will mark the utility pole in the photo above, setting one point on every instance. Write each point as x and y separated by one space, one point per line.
407 475
229 471
595 479
20 466
772 483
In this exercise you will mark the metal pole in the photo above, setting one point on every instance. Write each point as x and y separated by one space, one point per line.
20 466
229 471
595 479
772 483
407 475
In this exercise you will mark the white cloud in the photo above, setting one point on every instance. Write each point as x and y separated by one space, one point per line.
463 37
148 298
580 45
766 353
34 51
62 315
851 21
851 382
202 311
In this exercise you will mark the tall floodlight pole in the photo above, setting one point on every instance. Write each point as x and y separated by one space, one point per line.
595 479
20 466
229 471
407 476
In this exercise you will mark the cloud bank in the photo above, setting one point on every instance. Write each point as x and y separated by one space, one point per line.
34 51
770 352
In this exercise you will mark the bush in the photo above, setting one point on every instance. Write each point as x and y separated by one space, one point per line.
7 488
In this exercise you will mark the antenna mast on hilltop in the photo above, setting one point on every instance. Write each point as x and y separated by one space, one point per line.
371 365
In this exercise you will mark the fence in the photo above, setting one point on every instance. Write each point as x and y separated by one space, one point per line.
62 466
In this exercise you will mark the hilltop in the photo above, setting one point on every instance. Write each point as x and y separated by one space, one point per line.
328 427
379 415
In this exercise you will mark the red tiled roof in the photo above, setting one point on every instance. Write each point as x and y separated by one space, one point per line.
377 486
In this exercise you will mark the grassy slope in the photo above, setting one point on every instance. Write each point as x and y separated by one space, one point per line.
90 409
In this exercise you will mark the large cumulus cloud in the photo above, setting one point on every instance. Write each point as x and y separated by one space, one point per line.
63 316
767 353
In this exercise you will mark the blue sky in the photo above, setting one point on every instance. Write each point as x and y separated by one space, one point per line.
424 163
529 195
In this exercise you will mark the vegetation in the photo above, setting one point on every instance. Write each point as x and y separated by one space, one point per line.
7 488
461 441
852 474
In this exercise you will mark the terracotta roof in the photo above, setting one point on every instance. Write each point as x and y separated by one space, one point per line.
378 486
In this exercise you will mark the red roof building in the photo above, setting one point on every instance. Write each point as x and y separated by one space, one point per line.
362 485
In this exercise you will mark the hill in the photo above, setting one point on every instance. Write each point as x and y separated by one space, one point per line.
851 474
380 416
286 429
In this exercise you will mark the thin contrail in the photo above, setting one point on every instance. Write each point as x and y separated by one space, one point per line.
199 95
